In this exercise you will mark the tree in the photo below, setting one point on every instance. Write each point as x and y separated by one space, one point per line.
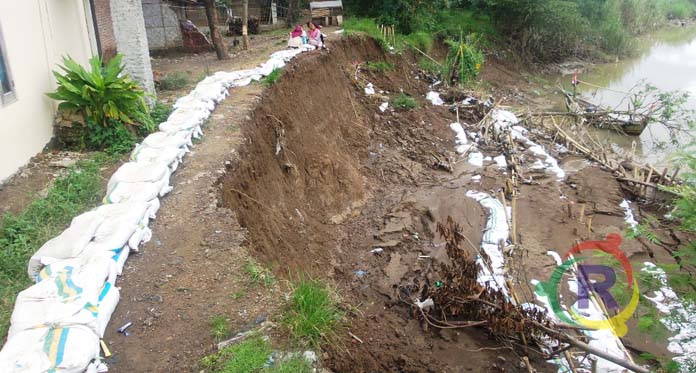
245 25
218 42
292 5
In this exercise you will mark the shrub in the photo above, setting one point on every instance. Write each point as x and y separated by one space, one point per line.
160 112
404 101
174 81
111 103
464 60
420 39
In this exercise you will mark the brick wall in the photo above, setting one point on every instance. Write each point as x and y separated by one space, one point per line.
131 41
105 29
162 25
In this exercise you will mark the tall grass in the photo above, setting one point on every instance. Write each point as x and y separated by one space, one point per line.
22 234
312 315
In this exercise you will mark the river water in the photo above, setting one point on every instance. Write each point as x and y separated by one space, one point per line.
666 60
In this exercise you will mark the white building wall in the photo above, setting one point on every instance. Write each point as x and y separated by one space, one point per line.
37 33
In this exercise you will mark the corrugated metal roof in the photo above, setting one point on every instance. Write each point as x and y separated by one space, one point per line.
325 4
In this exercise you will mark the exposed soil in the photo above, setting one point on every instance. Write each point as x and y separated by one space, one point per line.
324 178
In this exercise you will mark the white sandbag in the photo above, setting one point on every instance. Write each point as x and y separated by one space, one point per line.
68 244
142 234
188 117
272 64
108 300
121 222
139 192
242 82
195 100
159 140
65 350
139 172
170 156
95 266
211 91
33 313
120 257
226 78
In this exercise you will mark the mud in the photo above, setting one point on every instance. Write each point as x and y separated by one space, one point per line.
325 178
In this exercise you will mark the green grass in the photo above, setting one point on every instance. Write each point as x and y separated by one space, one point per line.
238 294
174 81
160 112
272 78
312 315
429 66
367 26
219 327
421 39
258 275
404 101
79 190
378 66
252 356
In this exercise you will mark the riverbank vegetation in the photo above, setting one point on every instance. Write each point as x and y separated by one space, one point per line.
539 30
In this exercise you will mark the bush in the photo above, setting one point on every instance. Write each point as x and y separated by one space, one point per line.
160 112
111 103
174 81
464 60
421 40
404 101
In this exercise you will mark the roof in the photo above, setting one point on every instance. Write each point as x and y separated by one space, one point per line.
325 4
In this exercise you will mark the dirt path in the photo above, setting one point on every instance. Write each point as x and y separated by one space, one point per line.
193 268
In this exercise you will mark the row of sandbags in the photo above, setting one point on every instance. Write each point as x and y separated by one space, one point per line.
58 322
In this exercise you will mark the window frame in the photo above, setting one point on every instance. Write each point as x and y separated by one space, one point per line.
9 97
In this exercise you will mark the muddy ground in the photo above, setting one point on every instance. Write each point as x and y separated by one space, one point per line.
308 177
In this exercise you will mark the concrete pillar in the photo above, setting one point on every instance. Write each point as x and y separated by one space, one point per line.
131 41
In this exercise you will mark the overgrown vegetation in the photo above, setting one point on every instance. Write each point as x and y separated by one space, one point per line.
404 102
254 356
543 30
113 106
378 66
464 60
219 327
312 314
78 190
272 78
174 81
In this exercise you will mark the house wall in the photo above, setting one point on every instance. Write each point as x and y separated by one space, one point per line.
36 33
162 25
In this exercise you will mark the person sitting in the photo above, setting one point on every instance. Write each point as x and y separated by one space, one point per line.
315 38
295 40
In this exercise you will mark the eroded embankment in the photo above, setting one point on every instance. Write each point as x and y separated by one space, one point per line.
325 178
332 185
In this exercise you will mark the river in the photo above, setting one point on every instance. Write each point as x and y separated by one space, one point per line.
667 60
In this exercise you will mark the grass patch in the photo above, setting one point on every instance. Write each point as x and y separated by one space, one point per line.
312 315
174 81
79 190
258 275
404 101
379 66
429 66
272 78
252 356
238 294
420 39
219 327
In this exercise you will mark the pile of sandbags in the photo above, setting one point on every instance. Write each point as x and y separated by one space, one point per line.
57 323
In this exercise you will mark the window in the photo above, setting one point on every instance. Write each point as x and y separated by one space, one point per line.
7 88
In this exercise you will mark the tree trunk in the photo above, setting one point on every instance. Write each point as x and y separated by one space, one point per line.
218 42
245 25
291 12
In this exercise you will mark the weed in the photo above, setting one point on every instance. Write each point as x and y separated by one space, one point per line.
404 101
21 235
312 315
258 274
219 327
174 81
272 78
160 112
429 66
238 294
379 66
420 39
253 355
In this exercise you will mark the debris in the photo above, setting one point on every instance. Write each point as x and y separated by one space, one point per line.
426 304
384 107
370 89
434 98
105 348
377 250
355 337
360 273
124 328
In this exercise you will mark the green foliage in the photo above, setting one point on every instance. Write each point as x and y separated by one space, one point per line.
464 60
378 66
258 274
404 101
367 26
251 356
160 112
429 66
101 94
312 315
22 234
420 39
174 81
679 9
272 78
219 327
